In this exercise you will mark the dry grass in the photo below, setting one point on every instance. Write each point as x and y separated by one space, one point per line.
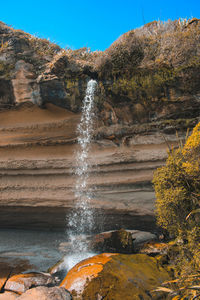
172 43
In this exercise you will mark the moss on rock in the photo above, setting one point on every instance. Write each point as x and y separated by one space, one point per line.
116 277
127 277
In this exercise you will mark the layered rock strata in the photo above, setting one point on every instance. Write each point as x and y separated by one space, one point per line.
37 150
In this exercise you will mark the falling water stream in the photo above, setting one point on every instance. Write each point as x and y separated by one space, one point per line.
81 221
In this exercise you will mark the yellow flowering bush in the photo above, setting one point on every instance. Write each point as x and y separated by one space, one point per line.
177 187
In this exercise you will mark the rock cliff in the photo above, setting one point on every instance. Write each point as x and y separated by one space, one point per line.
148 97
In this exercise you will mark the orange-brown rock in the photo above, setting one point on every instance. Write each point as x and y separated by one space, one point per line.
84 271
5 271
154 248
118 277
21 282
8 269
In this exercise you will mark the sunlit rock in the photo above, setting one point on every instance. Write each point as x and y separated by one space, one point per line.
45 293
21 282
116 277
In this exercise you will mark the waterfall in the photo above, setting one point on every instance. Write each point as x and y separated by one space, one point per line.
85 133
81 220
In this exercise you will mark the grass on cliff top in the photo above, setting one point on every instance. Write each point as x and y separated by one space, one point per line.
42 47
170 44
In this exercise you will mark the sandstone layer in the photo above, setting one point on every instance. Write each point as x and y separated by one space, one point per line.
37 150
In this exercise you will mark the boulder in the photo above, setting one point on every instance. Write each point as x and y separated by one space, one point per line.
14 266
45 293
119 241
141 237
8 296
22 282
116 276
84 271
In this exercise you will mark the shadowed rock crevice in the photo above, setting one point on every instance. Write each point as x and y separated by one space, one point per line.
7 98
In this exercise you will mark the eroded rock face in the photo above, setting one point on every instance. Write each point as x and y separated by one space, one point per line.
118 277
24 83
53 90
7 98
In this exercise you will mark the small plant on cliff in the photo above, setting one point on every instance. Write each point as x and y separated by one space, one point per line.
177 187
43 46
3 45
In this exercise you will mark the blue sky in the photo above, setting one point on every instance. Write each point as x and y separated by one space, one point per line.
95 24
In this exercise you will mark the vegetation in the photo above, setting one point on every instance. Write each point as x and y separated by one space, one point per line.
5 70
3 45
177 187
43 46
170 44
126 277
158 62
